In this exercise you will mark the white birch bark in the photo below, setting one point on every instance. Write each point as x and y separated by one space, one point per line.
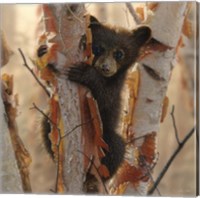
166 26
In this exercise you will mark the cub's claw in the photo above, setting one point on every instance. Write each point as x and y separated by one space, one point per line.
77 72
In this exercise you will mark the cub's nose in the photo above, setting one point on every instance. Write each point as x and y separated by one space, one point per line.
105 68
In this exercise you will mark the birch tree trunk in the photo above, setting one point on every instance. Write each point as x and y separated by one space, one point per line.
69 104
166 27
155 71
10 181
68 22
148 94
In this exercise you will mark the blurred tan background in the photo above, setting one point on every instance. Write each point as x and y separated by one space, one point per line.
19 24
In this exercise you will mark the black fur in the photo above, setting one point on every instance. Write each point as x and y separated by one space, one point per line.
107 90
46 129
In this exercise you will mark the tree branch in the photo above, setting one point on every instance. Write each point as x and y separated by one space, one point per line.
174 124
33 74
92 163
74 128
22 155
149 169
59 141
57 145
44 114
171 159
133 13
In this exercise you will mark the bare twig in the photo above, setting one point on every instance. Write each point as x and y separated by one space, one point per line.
58 144
133 13
58 167
49 119
137 138
58 149
92 162
77 126
73 14
51 190
60 138
126 14
171 159
149 169
33 74
174 124
45 115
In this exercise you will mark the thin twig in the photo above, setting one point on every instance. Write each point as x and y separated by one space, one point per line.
45 115
126 14
73 14
90 164
58 144
60 138
95 169
133 13
49 119
59 29
58 149
33 74
57 167
174 124
58 159
149 169
78 125
51 190
171 159
137 138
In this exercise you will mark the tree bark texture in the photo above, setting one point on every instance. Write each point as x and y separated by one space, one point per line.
69 26
166 26
148 93
155 71
10 181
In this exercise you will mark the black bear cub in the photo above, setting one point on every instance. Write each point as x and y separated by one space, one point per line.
115 50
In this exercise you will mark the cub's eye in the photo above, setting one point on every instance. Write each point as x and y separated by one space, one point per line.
97 50
118 55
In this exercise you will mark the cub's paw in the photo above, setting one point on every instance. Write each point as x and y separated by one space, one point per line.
42 50
78 72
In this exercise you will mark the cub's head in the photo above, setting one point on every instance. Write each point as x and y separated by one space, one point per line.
116 49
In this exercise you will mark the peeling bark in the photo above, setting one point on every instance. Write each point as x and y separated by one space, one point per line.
166 27
155 71
6 52
10 181
148 99
154 75
21 154
69 26
70 109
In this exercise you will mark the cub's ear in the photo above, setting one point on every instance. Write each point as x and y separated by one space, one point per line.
142 34
93 22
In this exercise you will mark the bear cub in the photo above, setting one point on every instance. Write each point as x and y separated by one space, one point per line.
115 50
